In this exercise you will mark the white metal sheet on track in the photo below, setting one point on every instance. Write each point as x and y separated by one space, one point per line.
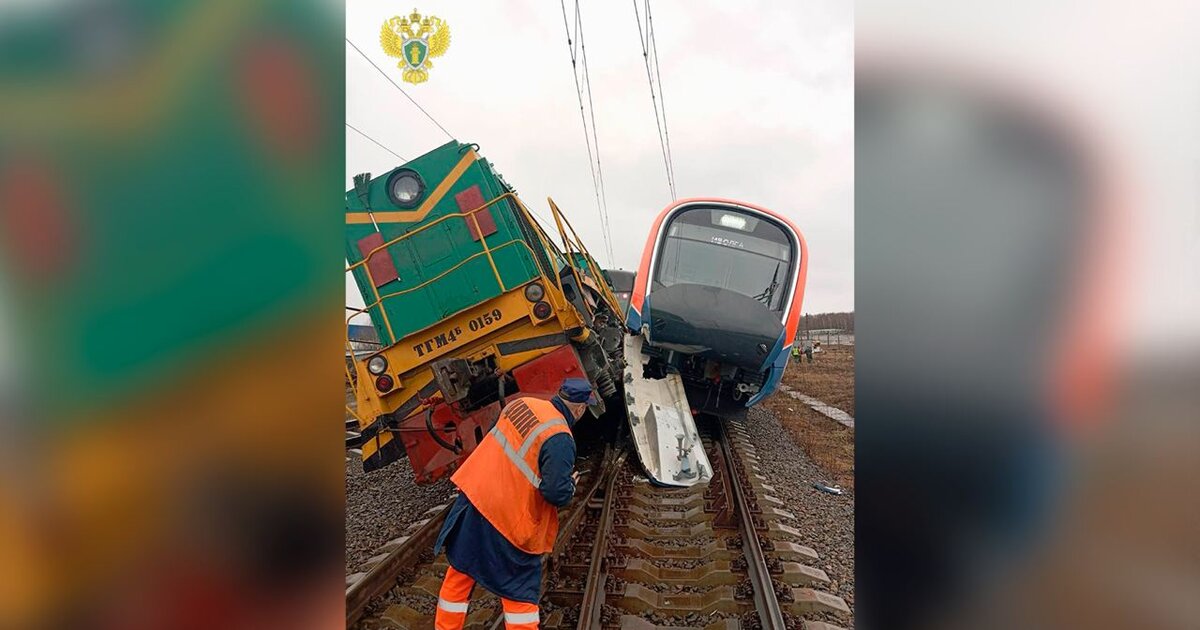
660 421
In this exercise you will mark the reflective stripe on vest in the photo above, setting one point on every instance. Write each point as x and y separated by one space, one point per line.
529 617
518 457
541 428
502 480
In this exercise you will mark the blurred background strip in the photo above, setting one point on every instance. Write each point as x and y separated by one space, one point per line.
170 178
1028 333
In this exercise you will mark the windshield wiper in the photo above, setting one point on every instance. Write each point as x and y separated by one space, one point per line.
769 292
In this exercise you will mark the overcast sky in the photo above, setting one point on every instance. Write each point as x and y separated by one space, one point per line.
759 101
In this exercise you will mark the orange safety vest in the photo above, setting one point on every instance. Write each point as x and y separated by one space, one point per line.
501 478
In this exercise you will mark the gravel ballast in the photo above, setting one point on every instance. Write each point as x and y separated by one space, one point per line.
825 520
381 504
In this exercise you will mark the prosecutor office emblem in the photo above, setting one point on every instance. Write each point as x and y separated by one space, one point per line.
415 40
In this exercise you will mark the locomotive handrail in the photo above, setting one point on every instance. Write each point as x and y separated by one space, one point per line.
353 359
556 297
483 240
367 257
406 235
559 297
366 309
546 244
515 241
379 301
613 303
599 275
558 220
454 268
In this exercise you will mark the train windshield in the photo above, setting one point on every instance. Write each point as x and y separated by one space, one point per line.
729 250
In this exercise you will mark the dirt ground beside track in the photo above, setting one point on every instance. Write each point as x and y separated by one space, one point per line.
830 379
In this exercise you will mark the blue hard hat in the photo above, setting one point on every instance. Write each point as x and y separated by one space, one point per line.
577 390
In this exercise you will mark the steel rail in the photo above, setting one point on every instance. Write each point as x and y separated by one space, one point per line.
609 466
770 612
593 590
382 576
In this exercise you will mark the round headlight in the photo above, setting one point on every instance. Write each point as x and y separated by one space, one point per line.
534 292
406 188
541 310
377 365
384 383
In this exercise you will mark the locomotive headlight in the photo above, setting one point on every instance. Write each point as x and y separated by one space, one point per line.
406 188
377 365
534 292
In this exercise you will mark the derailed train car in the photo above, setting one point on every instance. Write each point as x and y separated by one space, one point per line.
717 299
473 302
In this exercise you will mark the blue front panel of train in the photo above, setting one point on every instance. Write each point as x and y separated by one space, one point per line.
777 360
634 319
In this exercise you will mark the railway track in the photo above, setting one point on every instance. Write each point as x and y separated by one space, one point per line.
398 587
648 557
638 557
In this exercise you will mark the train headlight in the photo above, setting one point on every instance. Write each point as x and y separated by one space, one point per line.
377 365
384 383
541 310
406 188
735 221
534 292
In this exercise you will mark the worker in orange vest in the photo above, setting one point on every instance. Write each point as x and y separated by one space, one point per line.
506 514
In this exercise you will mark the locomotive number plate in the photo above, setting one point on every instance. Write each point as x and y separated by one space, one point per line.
453 334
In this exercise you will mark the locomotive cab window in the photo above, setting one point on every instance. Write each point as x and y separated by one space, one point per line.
729 250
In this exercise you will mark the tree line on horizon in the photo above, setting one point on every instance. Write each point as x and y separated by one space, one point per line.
820 321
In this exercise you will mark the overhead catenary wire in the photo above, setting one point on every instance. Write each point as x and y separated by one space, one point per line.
644 38
594 164
427 115
397 86
377 143
418 106
587 80
575 46
662 99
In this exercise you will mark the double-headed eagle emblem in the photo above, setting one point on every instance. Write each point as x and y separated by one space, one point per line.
414 40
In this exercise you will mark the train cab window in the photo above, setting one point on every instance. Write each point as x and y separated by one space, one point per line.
622 285
728 250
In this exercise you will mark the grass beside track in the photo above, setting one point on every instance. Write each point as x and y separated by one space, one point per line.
829 378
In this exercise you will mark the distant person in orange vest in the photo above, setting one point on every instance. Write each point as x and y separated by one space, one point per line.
506 514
